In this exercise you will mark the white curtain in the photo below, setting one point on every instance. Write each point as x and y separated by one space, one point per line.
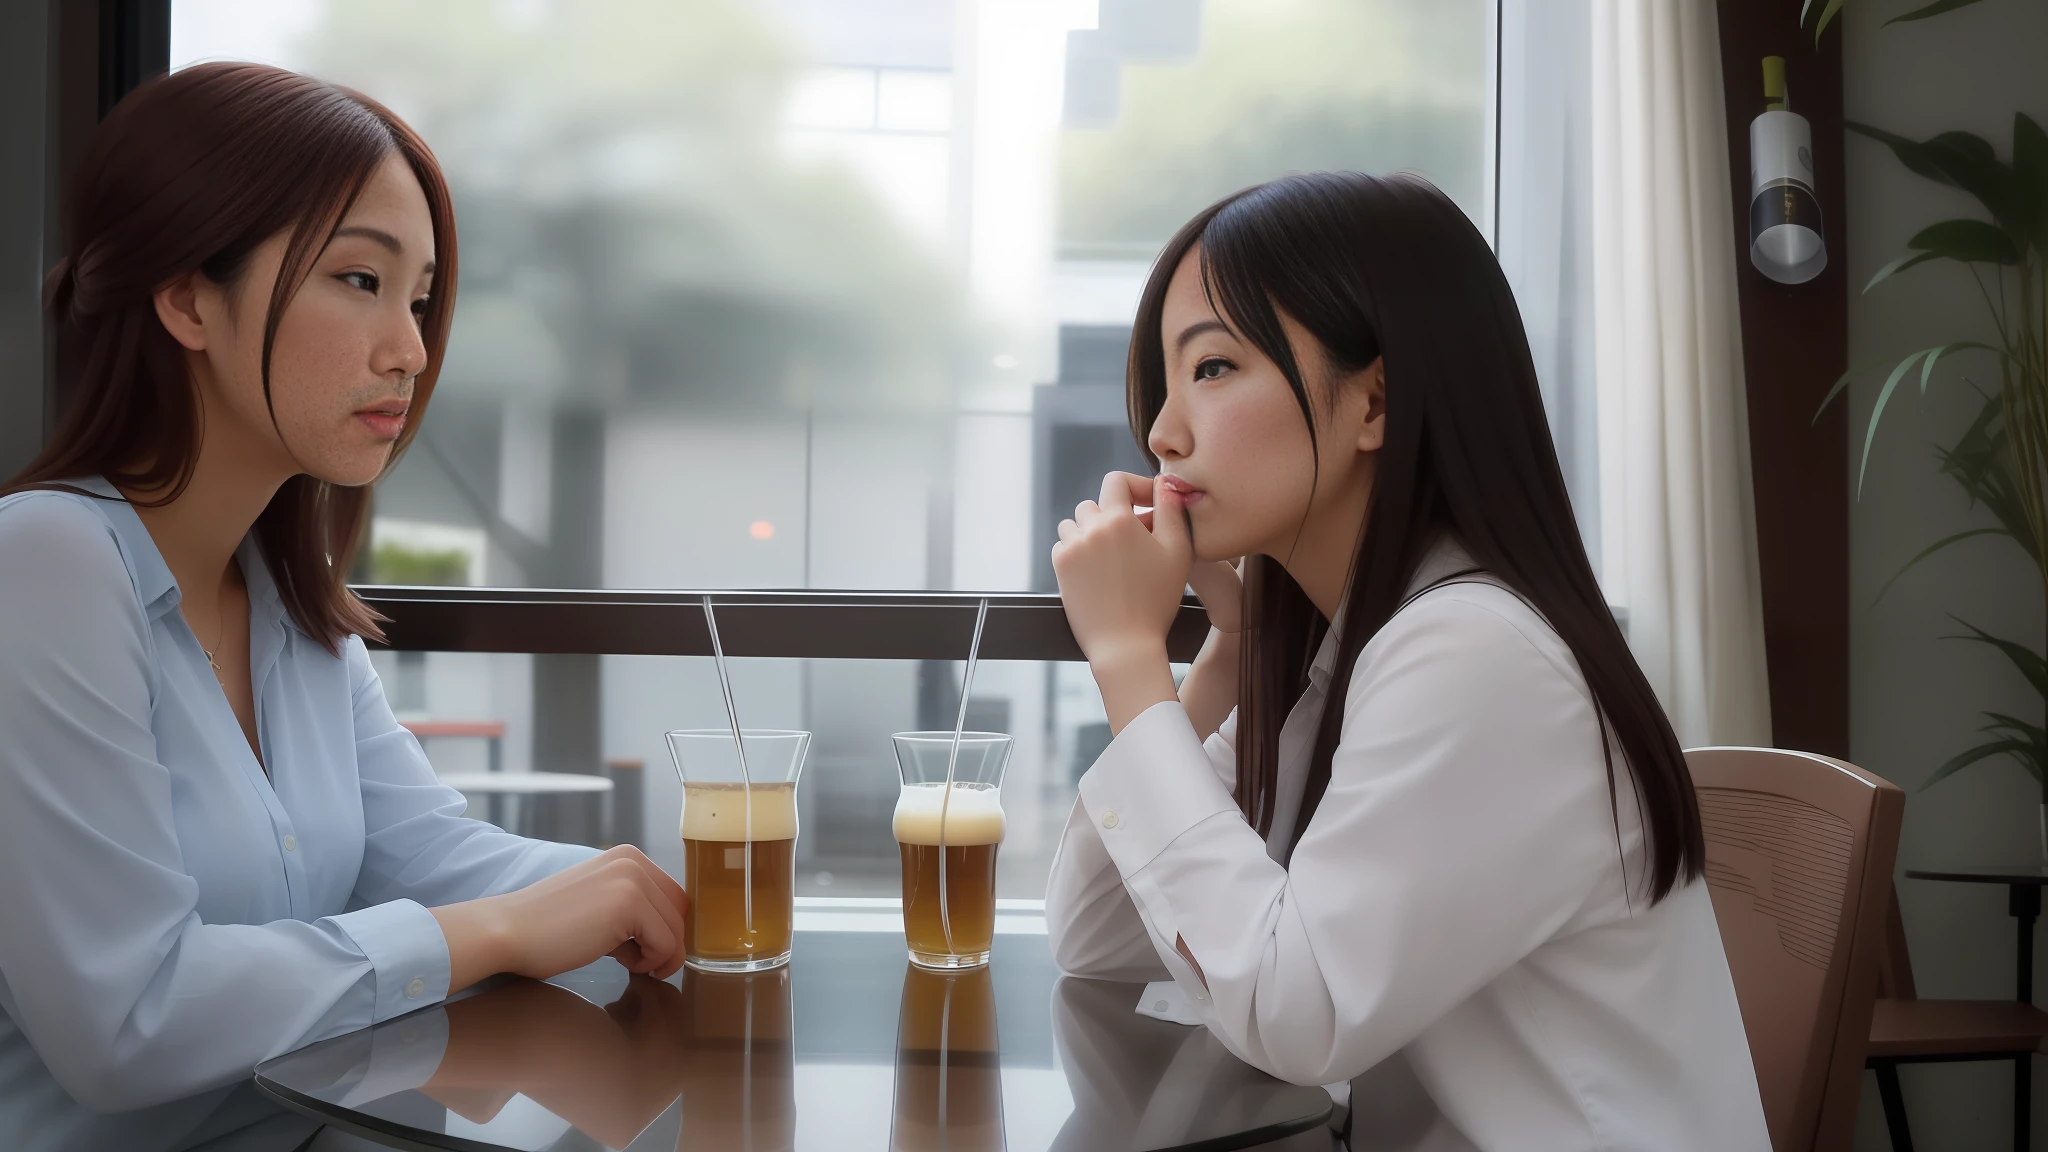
1678 525
1544 225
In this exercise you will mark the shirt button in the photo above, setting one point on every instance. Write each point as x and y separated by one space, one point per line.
291 843
1109 819
414 989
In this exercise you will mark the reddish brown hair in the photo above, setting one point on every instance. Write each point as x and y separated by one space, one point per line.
191 172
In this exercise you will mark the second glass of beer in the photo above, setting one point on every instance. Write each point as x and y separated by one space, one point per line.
948 839
739 846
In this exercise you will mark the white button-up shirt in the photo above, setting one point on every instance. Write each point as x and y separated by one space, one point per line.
1456 933
170 916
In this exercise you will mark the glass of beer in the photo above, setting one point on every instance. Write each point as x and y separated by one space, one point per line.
739 845
948 837
949 1083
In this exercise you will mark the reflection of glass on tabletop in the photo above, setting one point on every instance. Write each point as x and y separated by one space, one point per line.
949 1091
738 1051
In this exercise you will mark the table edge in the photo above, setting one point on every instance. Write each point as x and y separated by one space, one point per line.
354 1123
1954 875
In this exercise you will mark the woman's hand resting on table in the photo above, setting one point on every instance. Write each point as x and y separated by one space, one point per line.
616 904
1121 575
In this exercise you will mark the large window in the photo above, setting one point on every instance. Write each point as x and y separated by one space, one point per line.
821 294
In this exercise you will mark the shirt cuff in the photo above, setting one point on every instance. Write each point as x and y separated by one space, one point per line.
1152 784
404 945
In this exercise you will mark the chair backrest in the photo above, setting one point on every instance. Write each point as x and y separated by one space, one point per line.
1895 966
1799 863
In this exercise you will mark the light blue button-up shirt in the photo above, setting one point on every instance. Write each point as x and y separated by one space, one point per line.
170 916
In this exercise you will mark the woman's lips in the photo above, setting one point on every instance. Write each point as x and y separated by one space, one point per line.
1189 494
385 424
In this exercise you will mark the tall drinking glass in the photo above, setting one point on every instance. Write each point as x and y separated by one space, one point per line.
948 838
739 845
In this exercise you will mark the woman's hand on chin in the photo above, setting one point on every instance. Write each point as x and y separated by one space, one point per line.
1121 580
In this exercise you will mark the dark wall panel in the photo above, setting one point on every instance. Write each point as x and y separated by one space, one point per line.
1795 344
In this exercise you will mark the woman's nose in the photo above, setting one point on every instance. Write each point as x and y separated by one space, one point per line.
404 350
1169 438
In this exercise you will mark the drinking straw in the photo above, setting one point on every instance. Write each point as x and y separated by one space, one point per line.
952 760
739 747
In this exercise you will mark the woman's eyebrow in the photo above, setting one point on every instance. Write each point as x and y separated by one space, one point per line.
1196 329
386 239
378 234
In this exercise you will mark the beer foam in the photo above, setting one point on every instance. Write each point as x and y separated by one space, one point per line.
719 812
973 816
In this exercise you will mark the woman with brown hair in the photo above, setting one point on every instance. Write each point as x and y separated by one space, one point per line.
216 844
1414 822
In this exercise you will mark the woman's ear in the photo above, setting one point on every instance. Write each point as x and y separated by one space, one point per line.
177 307
1370 386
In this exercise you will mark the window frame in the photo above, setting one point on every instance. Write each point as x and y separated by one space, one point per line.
806 624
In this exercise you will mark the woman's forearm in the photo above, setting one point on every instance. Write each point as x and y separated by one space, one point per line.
478 942
1131 680
1209 691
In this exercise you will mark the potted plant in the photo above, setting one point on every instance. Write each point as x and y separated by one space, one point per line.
2001 460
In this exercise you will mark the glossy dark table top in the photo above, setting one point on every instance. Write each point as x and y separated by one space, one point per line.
1997 873
848 1047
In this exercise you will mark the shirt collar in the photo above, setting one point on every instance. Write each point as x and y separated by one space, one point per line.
1444 557
154 584
264 601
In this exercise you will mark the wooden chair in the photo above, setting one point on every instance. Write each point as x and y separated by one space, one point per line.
1799 863
1905 1029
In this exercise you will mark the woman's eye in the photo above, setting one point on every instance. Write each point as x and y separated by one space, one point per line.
419 308
367 281
1211 368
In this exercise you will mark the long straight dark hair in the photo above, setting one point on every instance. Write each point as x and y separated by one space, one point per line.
191 172
1389 268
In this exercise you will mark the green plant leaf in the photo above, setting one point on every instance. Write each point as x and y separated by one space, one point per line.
2016 728
1911 153
1930 550
2028 661
1803 10
1826 14
1967 241
1934 9
1927 367
2030 171
1884 396
1835 390
1898 266
1980 462
1962 760
1962 160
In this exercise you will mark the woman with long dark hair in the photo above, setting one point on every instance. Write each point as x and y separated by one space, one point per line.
216 844
1414 820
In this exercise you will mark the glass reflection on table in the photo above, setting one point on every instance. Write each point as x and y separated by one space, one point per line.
949 1085
739 1062
814 1056
721 1043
